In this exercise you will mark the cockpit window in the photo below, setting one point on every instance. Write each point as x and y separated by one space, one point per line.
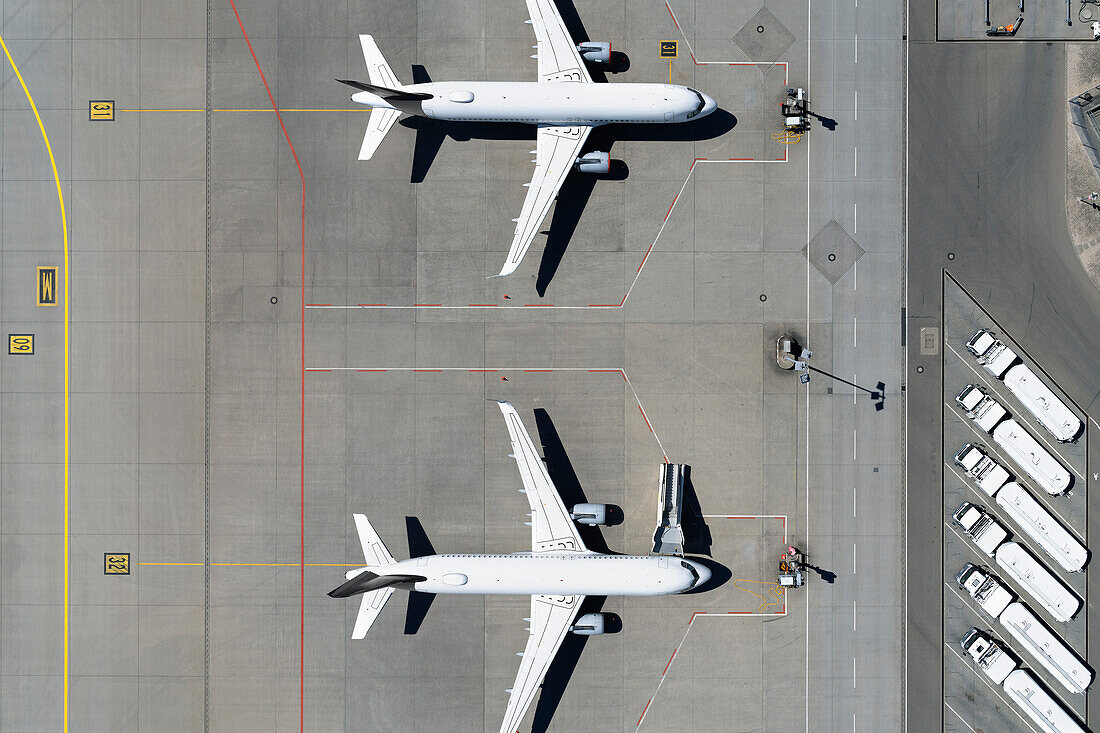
691 569
702 103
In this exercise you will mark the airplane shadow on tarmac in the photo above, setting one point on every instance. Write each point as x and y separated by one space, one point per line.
569 488
577 189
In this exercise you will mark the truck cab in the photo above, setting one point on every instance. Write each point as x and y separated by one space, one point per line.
989 475
980 526
985 588
988 655
980 407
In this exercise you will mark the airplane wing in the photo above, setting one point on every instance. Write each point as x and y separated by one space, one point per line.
559 59
551 617
556 151
552 529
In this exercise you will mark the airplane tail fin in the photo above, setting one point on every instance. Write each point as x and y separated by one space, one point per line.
376 590
384 89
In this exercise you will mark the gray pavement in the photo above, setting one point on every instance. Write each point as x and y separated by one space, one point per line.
986 206
198 442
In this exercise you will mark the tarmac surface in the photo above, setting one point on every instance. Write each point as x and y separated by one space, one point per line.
266 335
987 216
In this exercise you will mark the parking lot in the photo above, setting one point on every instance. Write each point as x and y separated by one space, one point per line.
972 698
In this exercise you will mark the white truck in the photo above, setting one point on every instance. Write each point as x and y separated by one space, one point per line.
988 655
980 527
985 588
1050 592
1041 526
991 352
1037 463
1040 401
980 407
1038 704
988 474
1046 648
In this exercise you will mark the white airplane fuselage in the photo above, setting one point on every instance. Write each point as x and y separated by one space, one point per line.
550 103
549 574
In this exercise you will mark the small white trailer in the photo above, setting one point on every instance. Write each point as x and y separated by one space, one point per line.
1036 461
1041 526
1046 648
1043 709
1040 401
980 407
988 655
986 472
985 588
1039 582
980 526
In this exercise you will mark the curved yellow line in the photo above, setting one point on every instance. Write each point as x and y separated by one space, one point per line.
65 251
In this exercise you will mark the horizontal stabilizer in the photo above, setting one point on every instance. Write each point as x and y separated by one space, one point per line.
369 609
380 122
374 551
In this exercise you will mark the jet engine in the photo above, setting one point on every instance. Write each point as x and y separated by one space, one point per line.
590 624
595 162
598 52
591 514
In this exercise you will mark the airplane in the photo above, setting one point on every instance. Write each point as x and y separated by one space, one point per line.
564 103
558 572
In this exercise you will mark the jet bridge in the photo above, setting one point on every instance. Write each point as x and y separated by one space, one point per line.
668 538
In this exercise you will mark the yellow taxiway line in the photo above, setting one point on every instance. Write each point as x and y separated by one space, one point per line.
65 251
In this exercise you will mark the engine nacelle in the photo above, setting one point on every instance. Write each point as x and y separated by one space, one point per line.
591 514
595 162
597 52
590 624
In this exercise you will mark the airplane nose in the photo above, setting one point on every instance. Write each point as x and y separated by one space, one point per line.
709 106
702 570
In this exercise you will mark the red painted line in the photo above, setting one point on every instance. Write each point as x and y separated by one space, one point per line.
645 418
316 305
302 400
369 305
737 613
693 57
643 712
370 370
538 370
427 305
318 370
673 17
612 371
783 159
646 257
674 198
669 661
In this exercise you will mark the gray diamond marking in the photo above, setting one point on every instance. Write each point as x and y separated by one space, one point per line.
832 240
763 47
